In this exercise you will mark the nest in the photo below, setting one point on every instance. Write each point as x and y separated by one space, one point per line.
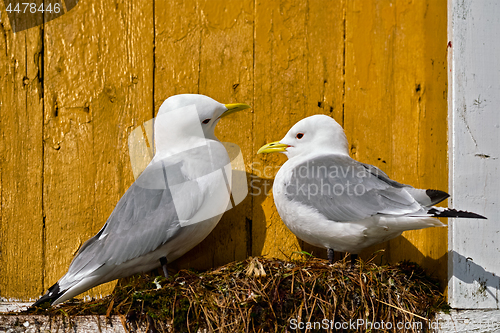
270 295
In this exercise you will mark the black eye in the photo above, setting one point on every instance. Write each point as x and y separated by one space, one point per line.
299 135
206 121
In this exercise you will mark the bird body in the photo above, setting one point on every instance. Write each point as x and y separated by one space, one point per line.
170 208
330 200
315 227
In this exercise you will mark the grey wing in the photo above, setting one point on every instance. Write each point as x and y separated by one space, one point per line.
144 219
343 189
376 172
425 198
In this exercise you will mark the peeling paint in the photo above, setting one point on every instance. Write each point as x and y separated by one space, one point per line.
104 70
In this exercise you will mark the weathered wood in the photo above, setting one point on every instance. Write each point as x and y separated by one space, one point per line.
21 151
466 321
98 88
377 67
299 50
453 321
280 101
395 109
226 74
78 324
14 306
474 153
429 247
325 46
177 49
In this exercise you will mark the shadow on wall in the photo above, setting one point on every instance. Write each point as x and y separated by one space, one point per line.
472 270
439 265
232 239
400 248
24 15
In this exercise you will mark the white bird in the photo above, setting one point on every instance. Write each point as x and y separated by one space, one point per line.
171 207
330 200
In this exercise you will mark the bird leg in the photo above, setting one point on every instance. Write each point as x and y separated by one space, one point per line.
330 256
354 257
163 262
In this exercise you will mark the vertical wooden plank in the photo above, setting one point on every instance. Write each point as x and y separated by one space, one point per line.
395 108
69 166
98 65
279 101
299 52
325 67
325 58
369 85
21 151
227 60
299 55
376 67
369 104
226 74
177 49
474 150
177 70
432 158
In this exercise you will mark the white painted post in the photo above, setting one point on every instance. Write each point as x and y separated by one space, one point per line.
474 152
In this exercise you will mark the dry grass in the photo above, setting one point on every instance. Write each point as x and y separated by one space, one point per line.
264 295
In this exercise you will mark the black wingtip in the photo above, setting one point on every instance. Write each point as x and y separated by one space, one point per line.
436 196
455 213
49 298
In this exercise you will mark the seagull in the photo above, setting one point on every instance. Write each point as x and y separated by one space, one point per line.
172 206
332 201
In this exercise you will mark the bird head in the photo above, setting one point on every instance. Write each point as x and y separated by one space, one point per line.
311 135
186 118
208 110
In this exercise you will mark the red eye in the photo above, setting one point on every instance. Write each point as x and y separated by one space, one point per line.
299 135
206 121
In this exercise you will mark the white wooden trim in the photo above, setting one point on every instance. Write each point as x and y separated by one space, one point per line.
478 321
474 152
13 307
77 324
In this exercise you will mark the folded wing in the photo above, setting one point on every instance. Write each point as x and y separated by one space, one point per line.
343 189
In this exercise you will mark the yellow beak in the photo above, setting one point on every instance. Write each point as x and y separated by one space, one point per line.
235 107
273 147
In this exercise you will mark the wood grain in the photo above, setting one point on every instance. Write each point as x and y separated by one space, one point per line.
73 91
280 101
98 88
21 151
474 135
395 114
225 73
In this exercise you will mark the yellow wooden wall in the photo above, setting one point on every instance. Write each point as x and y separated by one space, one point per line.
72 90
